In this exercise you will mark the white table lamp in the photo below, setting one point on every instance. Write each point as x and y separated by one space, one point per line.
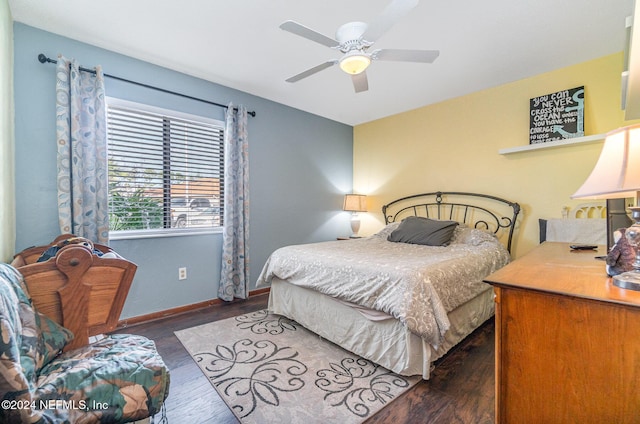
355 203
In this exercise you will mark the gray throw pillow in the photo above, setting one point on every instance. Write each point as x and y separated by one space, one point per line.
419 230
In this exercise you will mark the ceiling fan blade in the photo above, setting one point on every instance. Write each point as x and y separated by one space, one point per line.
308 33
312 71
389 16
400 55
360 82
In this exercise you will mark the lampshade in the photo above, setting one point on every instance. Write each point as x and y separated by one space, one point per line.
354 62
355 203
617 172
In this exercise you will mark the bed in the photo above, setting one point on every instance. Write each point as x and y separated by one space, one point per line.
401 304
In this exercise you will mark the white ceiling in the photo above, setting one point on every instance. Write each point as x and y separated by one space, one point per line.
238 43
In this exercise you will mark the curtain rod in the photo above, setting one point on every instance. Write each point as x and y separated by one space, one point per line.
44 59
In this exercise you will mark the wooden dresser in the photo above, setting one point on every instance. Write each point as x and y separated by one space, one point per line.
567 340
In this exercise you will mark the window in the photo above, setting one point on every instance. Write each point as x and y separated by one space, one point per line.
166 169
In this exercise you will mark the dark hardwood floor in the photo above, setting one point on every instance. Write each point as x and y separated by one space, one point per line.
461 388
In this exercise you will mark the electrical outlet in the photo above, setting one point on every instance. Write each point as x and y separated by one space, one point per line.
182 273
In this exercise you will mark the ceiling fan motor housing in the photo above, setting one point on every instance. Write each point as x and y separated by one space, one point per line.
349 36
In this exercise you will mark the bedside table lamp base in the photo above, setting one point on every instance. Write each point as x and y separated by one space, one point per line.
355 225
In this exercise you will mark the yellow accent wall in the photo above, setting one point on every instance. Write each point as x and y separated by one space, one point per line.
453 146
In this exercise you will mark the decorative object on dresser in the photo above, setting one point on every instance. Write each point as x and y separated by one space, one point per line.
566 340
399 304
269 369
621 256
631 279
355 203
617 175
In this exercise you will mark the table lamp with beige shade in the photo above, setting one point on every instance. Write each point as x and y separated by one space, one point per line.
355 203
617 175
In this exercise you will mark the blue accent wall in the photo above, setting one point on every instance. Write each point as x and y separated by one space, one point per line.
300 167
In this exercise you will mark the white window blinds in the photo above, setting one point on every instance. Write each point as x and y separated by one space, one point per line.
166 169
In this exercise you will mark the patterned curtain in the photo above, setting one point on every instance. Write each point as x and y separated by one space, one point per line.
235 253
82 152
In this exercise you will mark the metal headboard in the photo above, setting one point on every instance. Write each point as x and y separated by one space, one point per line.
473 209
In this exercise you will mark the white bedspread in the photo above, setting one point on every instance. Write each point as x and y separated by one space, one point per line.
416 284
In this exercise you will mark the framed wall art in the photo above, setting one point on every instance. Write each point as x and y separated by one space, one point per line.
556 116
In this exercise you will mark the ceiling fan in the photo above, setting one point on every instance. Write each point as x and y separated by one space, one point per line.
354 39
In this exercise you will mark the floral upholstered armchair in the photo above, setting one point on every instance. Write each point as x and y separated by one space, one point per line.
121 378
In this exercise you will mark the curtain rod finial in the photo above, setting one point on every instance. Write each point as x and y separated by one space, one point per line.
42 58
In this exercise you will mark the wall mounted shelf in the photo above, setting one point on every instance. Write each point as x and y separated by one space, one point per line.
552 144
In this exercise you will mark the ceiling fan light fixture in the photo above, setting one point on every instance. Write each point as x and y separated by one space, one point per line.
355 62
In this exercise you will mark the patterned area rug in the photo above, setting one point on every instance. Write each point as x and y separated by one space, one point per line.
270 369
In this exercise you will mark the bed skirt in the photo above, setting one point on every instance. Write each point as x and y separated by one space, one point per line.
384 341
